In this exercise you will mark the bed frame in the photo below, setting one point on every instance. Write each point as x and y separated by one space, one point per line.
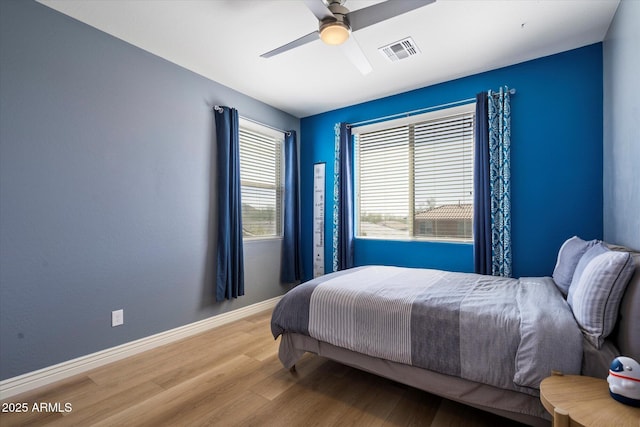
525 408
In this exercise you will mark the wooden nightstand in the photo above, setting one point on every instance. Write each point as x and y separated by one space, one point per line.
575 400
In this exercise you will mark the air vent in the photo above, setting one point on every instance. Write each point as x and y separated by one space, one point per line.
402 49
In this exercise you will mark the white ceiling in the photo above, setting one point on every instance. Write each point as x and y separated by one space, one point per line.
223 40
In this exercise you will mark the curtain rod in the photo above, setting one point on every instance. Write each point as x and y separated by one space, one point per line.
286 132
511 91
421 110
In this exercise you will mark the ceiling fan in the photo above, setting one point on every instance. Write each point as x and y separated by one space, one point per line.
336 23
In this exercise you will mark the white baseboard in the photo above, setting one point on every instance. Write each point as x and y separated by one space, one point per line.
32 380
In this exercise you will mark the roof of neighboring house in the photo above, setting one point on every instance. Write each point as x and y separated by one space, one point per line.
454 211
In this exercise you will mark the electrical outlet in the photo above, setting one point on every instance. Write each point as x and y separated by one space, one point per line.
117 318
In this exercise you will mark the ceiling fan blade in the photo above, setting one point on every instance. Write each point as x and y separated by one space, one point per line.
299 42
367 16
319 9
352 50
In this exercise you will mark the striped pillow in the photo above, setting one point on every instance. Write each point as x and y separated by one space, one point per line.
596 290
598 248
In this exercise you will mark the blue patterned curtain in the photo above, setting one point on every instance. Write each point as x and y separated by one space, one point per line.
229 261
499 110
343 199
291 267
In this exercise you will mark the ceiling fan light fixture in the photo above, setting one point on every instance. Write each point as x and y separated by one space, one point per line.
334 33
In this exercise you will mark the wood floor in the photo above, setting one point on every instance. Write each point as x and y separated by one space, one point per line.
231 376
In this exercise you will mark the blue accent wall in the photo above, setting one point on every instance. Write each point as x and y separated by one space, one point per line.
107 192
556 162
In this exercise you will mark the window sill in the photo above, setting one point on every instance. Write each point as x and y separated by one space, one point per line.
415 239
261 239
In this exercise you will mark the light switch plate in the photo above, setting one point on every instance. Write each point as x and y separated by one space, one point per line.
117 318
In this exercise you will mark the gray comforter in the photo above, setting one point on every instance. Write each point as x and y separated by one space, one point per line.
509 333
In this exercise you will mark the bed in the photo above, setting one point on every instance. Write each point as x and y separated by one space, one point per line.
480 340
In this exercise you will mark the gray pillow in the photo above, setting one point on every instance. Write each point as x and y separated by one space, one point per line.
597 287
568 257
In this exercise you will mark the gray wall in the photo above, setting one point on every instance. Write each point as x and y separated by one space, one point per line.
621 52
107 195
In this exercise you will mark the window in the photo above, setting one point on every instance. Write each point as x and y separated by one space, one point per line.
261 180
414 176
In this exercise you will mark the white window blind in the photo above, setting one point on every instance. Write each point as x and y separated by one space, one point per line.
415 180
261 181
